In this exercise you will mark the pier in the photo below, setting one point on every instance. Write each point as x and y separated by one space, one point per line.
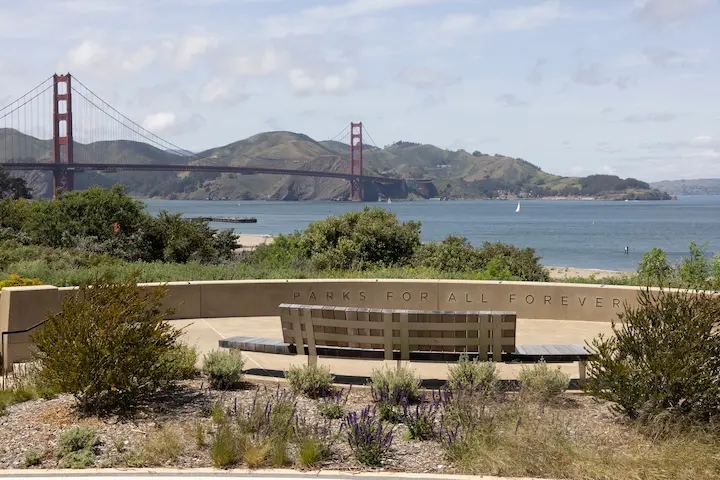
230 219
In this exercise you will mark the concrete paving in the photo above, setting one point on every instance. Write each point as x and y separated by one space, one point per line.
205 334
208 474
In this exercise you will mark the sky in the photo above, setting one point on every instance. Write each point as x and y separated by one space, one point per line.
625 87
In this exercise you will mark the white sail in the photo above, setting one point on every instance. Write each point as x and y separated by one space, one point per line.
389 201
517 210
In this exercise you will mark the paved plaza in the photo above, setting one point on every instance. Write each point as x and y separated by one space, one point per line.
205 334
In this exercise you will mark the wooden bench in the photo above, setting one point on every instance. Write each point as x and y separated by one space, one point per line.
415 335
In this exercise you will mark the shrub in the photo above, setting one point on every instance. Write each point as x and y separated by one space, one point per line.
18 281
268 415
664 358
542 382
75 440
366 437
520 263
77 460
420 420
182 361
332 404
396 384
355 240
223 368
471 374
32 459
310 380
453 254
106 344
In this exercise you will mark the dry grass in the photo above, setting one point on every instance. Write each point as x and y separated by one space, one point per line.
519 440
161 447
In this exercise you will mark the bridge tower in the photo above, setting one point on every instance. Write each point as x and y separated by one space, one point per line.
63 180
356 162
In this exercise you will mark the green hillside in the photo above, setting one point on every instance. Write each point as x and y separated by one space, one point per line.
454 174
700 186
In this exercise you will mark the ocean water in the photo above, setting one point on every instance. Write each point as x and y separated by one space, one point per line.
584 234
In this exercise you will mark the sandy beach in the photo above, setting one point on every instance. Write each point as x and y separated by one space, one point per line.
249 241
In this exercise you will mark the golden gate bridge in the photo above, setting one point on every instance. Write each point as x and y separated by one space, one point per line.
64 127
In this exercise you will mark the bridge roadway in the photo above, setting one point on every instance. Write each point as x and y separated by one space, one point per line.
78 167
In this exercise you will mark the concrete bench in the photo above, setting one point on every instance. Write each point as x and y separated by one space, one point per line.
415 335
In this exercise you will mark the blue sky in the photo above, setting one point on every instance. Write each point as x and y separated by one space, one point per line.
628 87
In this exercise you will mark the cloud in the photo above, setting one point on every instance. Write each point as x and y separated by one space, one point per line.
159 122
590 75
336 16
222 91
268 61
660 117
665 58
510 100
421 77
167 123
186 49
624 82
527 17
663 12
100 58
458 22
303 82
536 72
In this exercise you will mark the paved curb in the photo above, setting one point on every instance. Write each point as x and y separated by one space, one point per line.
211 472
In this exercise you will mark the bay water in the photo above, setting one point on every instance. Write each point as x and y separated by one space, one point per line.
582 234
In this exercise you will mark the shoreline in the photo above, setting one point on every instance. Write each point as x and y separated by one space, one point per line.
248 241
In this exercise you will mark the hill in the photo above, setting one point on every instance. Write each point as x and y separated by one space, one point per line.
454 174
701 186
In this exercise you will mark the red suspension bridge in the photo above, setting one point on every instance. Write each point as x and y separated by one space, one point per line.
64 127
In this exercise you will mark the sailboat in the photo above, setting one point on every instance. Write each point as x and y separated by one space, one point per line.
517 210
389 201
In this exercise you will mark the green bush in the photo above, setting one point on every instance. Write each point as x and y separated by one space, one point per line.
78 460
106 345
18 281
311 380
75 440
453 254
472 374
394 385
695 269
182 361
520 263
654 268
223 368
664 358
542 382
354 241
32 459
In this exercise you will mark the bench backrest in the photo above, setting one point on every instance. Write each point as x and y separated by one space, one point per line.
487 333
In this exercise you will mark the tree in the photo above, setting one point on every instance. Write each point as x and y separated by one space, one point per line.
654 268
13 187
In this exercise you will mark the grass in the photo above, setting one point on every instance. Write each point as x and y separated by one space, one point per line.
526 439
161 447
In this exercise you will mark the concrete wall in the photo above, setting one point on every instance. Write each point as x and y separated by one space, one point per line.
22 307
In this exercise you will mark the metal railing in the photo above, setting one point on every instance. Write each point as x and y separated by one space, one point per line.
2 347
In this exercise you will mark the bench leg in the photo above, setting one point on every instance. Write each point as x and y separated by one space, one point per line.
312 360
582 367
